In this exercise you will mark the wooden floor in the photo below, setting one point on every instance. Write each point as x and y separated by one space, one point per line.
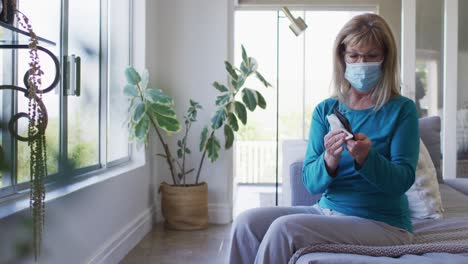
163 246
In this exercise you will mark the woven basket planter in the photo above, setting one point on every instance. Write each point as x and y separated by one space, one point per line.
185 207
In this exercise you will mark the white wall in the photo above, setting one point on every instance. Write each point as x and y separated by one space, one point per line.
98 223
187 44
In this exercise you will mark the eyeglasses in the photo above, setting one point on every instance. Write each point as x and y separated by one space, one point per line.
353 57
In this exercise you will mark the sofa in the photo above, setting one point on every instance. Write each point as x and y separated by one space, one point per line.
454 195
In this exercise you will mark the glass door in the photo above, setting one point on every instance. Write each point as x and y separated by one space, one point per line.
255 145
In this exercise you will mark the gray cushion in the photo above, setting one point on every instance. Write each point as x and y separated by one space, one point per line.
458 184
429 130
299 194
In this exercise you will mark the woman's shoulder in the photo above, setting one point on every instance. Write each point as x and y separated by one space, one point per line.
400 103
328 103
325 107
400 100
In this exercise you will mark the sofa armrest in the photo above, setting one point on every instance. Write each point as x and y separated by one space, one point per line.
299 194
459 184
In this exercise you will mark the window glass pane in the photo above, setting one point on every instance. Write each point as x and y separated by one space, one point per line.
2 81
255 146
462 109
119 59
292 61
83 110
429 57
6 77
47 27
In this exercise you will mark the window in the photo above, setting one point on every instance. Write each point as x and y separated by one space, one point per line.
81 133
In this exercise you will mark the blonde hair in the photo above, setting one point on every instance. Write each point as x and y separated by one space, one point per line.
362 30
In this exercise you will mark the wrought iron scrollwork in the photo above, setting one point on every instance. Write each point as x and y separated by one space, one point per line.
12 124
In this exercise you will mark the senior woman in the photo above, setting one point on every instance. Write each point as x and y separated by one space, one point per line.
363 180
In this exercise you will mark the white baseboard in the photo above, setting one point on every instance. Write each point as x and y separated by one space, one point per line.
118 246
219 213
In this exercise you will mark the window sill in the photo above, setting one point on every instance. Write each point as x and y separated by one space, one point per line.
20 201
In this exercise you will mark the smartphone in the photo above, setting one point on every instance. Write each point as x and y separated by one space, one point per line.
344 121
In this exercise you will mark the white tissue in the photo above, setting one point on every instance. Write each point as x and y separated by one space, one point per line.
335 124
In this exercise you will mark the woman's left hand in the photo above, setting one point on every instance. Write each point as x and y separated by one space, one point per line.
359 148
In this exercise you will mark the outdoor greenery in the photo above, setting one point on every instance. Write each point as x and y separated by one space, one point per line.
82 153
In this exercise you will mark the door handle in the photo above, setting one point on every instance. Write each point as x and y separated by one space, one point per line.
72 75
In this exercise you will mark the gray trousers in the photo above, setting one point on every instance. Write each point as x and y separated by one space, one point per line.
272 234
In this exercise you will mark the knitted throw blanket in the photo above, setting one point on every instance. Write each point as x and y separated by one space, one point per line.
445 235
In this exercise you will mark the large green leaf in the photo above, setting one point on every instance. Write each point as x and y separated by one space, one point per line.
130 90
223 99
232 121
132 76
241 112
142 128
228 136
218 118
139 112
203 138
144 79
245 58
249 97
164 110
261 100
262 79
169 124
231 70
220 87
213 146
157 96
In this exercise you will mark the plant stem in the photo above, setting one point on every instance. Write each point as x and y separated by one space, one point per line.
203 158
166 149
187 128
165 146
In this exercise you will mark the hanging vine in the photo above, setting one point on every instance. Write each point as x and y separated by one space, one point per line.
37 115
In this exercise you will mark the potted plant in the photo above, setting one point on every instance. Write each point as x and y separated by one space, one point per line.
185 206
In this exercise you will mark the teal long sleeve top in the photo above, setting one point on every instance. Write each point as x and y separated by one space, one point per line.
377 189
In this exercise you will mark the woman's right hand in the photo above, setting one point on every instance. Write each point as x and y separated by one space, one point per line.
333 141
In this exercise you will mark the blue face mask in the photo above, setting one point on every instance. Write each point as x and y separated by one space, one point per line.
363 76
